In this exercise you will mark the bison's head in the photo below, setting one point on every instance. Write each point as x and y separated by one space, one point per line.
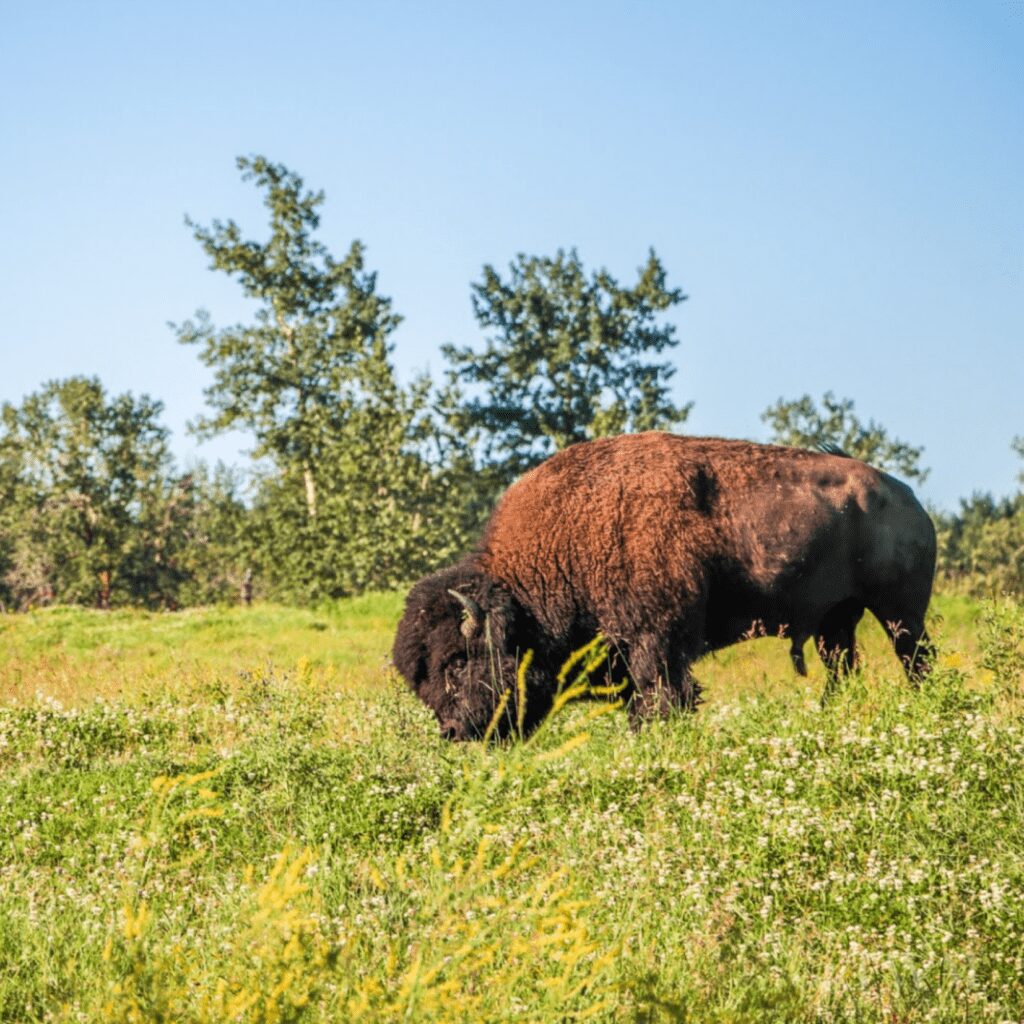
458 646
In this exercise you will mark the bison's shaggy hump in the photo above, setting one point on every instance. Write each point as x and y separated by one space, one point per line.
633 527
670 546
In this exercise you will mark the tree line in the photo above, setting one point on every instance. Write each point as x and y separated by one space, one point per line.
357 481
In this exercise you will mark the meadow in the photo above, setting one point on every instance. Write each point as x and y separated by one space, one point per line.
233 814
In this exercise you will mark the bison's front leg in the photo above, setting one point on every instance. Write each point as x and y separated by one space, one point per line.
662 682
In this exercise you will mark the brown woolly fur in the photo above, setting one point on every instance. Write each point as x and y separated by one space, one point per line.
670 547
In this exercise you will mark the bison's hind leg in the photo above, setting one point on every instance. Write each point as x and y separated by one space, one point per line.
909 639
837 642
915 651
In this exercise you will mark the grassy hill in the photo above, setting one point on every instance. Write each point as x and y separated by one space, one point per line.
240 814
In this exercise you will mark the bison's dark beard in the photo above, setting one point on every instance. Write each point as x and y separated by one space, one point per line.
485 701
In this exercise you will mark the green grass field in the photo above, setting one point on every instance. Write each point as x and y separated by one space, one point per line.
241 815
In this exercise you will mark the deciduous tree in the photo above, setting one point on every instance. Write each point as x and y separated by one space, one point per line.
321 329
981 547
86 472
348 495
567 357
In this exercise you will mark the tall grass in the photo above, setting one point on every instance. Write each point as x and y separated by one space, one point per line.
284 838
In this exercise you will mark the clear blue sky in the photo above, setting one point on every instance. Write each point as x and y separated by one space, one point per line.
838 187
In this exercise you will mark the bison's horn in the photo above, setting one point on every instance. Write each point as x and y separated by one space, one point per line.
474 614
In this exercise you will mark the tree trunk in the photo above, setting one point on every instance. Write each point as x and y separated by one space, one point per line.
104 598
307 475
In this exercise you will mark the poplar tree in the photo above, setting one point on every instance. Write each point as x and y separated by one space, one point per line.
320 333
568 356
348 495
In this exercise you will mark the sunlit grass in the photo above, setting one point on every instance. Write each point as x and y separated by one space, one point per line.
73 654
240 815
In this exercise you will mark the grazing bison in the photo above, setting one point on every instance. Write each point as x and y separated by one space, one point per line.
670 547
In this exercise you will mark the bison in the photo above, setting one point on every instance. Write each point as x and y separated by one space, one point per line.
669 547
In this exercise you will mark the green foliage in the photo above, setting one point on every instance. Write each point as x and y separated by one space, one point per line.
211 558
97 514
981 548
387 511
295 843
801 423
567 358
320 334
11 506
349 496
1002 642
